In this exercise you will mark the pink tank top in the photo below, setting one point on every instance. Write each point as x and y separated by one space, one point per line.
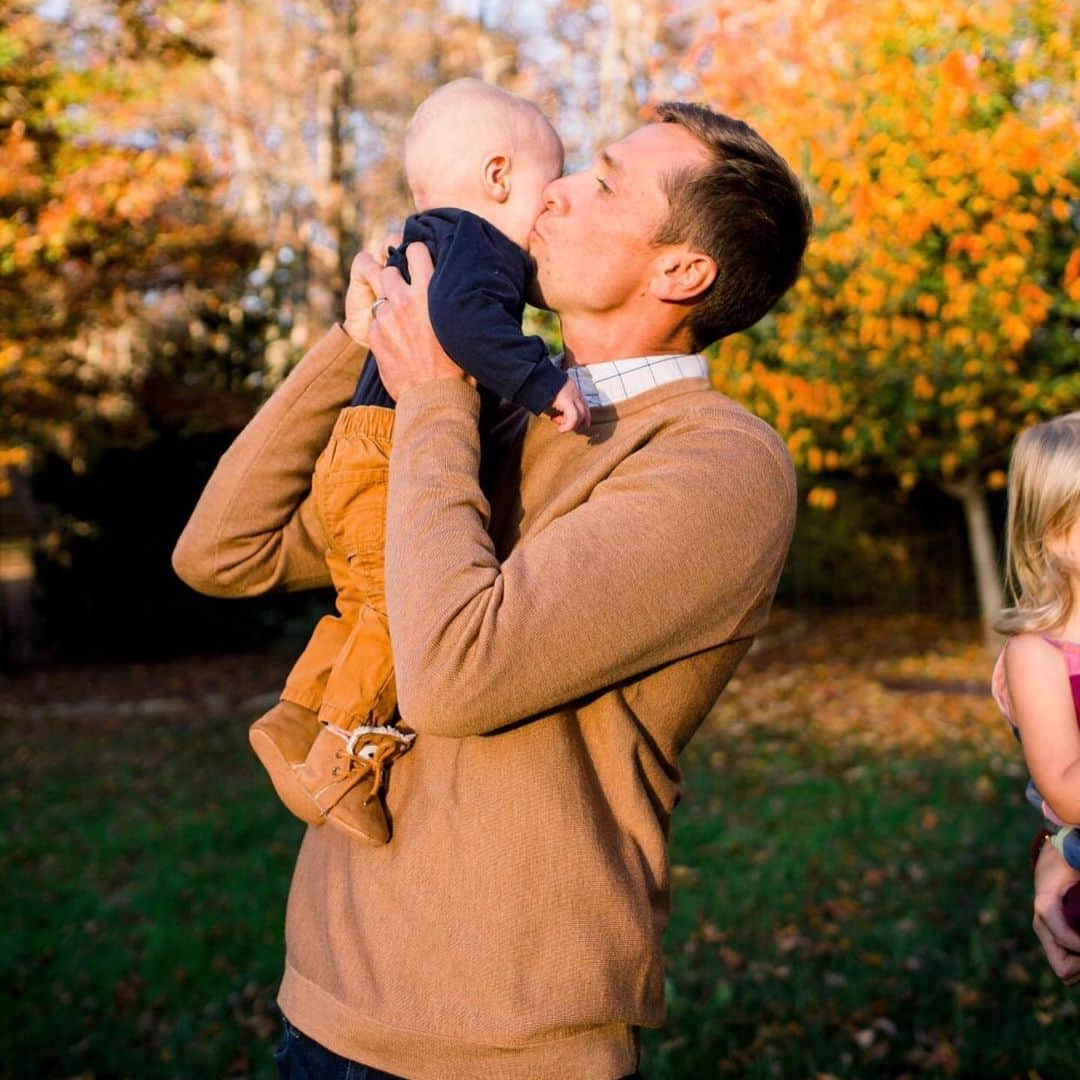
1071 652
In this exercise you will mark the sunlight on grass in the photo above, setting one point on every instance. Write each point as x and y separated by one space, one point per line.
849 868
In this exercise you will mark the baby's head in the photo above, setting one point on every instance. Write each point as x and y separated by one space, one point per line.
482 149
1042 533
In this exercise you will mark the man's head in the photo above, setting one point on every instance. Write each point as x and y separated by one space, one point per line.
746 210
482 149
683 231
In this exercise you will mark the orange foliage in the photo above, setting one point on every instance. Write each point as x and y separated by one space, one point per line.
90 224
940 141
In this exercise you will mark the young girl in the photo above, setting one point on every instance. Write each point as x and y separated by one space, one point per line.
1036 679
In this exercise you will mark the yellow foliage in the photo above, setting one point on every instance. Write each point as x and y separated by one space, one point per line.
11 457
1071 277
821 498
938 137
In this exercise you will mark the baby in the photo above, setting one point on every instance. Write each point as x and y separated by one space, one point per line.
477 160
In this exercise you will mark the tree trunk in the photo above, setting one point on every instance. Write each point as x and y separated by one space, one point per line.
618 102
347 221
972 497
228 74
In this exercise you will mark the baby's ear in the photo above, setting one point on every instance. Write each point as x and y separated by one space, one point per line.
497 177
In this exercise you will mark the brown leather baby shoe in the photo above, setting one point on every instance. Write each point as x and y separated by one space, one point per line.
281 740
345 772
322 772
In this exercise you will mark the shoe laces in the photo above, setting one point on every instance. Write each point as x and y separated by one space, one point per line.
372 748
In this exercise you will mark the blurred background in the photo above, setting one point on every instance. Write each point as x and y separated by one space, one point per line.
183 185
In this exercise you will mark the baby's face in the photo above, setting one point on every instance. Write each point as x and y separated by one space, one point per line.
533 168
457 140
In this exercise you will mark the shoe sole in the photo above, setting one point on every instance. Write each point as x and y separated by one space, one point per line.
290 791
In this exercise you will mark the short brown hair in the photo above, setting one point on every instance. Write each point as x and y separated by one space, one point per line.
745 209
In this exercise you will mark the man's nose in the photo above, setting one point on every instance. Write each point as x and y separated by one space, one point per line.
555 194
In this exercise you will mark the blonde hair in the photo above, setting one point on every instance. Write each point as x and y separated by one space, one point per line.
1044 501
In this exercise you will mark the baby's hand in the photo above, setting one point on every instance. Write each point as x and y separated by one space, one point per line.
569 410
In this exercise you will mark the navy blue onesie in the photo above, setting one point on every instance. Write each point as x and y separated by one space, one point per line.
475 301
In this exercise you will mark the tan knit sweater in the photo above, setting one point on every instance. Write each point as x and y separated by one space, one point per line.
555 650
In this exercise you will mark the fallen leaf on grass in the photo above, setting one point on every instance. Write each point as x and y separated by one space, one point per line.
1017 973
939 1054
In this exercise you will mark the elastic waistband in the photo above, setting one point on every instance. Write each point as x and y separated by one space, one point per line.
372 420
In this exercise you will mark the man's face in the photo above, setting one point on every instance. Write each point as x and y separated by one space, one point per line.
593 241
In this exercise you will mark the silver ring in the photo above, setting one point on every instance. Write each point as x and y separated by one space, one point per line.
375 306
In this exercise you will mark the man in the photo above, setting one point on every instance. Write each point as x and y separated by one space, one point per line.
564 611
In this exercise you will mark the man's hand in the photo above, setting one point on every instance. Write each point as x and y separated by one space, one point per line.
569 410
1053 876
359 297
406 349
358 300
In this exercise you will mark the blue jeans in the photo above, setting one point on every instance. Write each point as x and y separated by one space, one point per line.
300 1058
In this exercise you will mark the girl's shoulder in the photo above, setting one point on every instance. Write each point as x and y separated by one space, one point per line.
1028 657
1030 644
1038 654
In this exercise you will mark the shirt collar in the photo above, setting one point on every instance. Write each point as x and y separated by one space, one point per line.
613 381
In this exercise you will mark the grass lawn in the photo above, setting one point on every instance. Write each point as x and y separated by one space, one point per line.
849 866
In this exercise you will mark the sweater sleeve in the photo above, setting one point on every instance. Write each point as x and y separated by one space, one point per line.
254 527
475 301
677 551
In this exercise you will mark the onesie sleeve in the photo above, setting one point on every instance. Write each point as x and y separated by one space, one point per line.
475 300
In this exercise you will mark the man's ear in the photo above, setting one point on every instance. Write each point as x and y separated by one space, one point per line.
497 177
681 274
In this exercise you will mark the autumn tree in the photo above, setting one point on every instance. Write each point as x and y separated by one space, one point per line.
939 309
182 188
100 215
605 63
307 103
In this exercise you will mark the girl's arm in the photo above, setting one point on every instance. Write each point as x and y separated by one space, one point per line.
1043 710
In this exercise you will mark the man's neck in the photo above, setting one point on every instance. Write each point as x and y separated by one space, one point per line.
597 341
